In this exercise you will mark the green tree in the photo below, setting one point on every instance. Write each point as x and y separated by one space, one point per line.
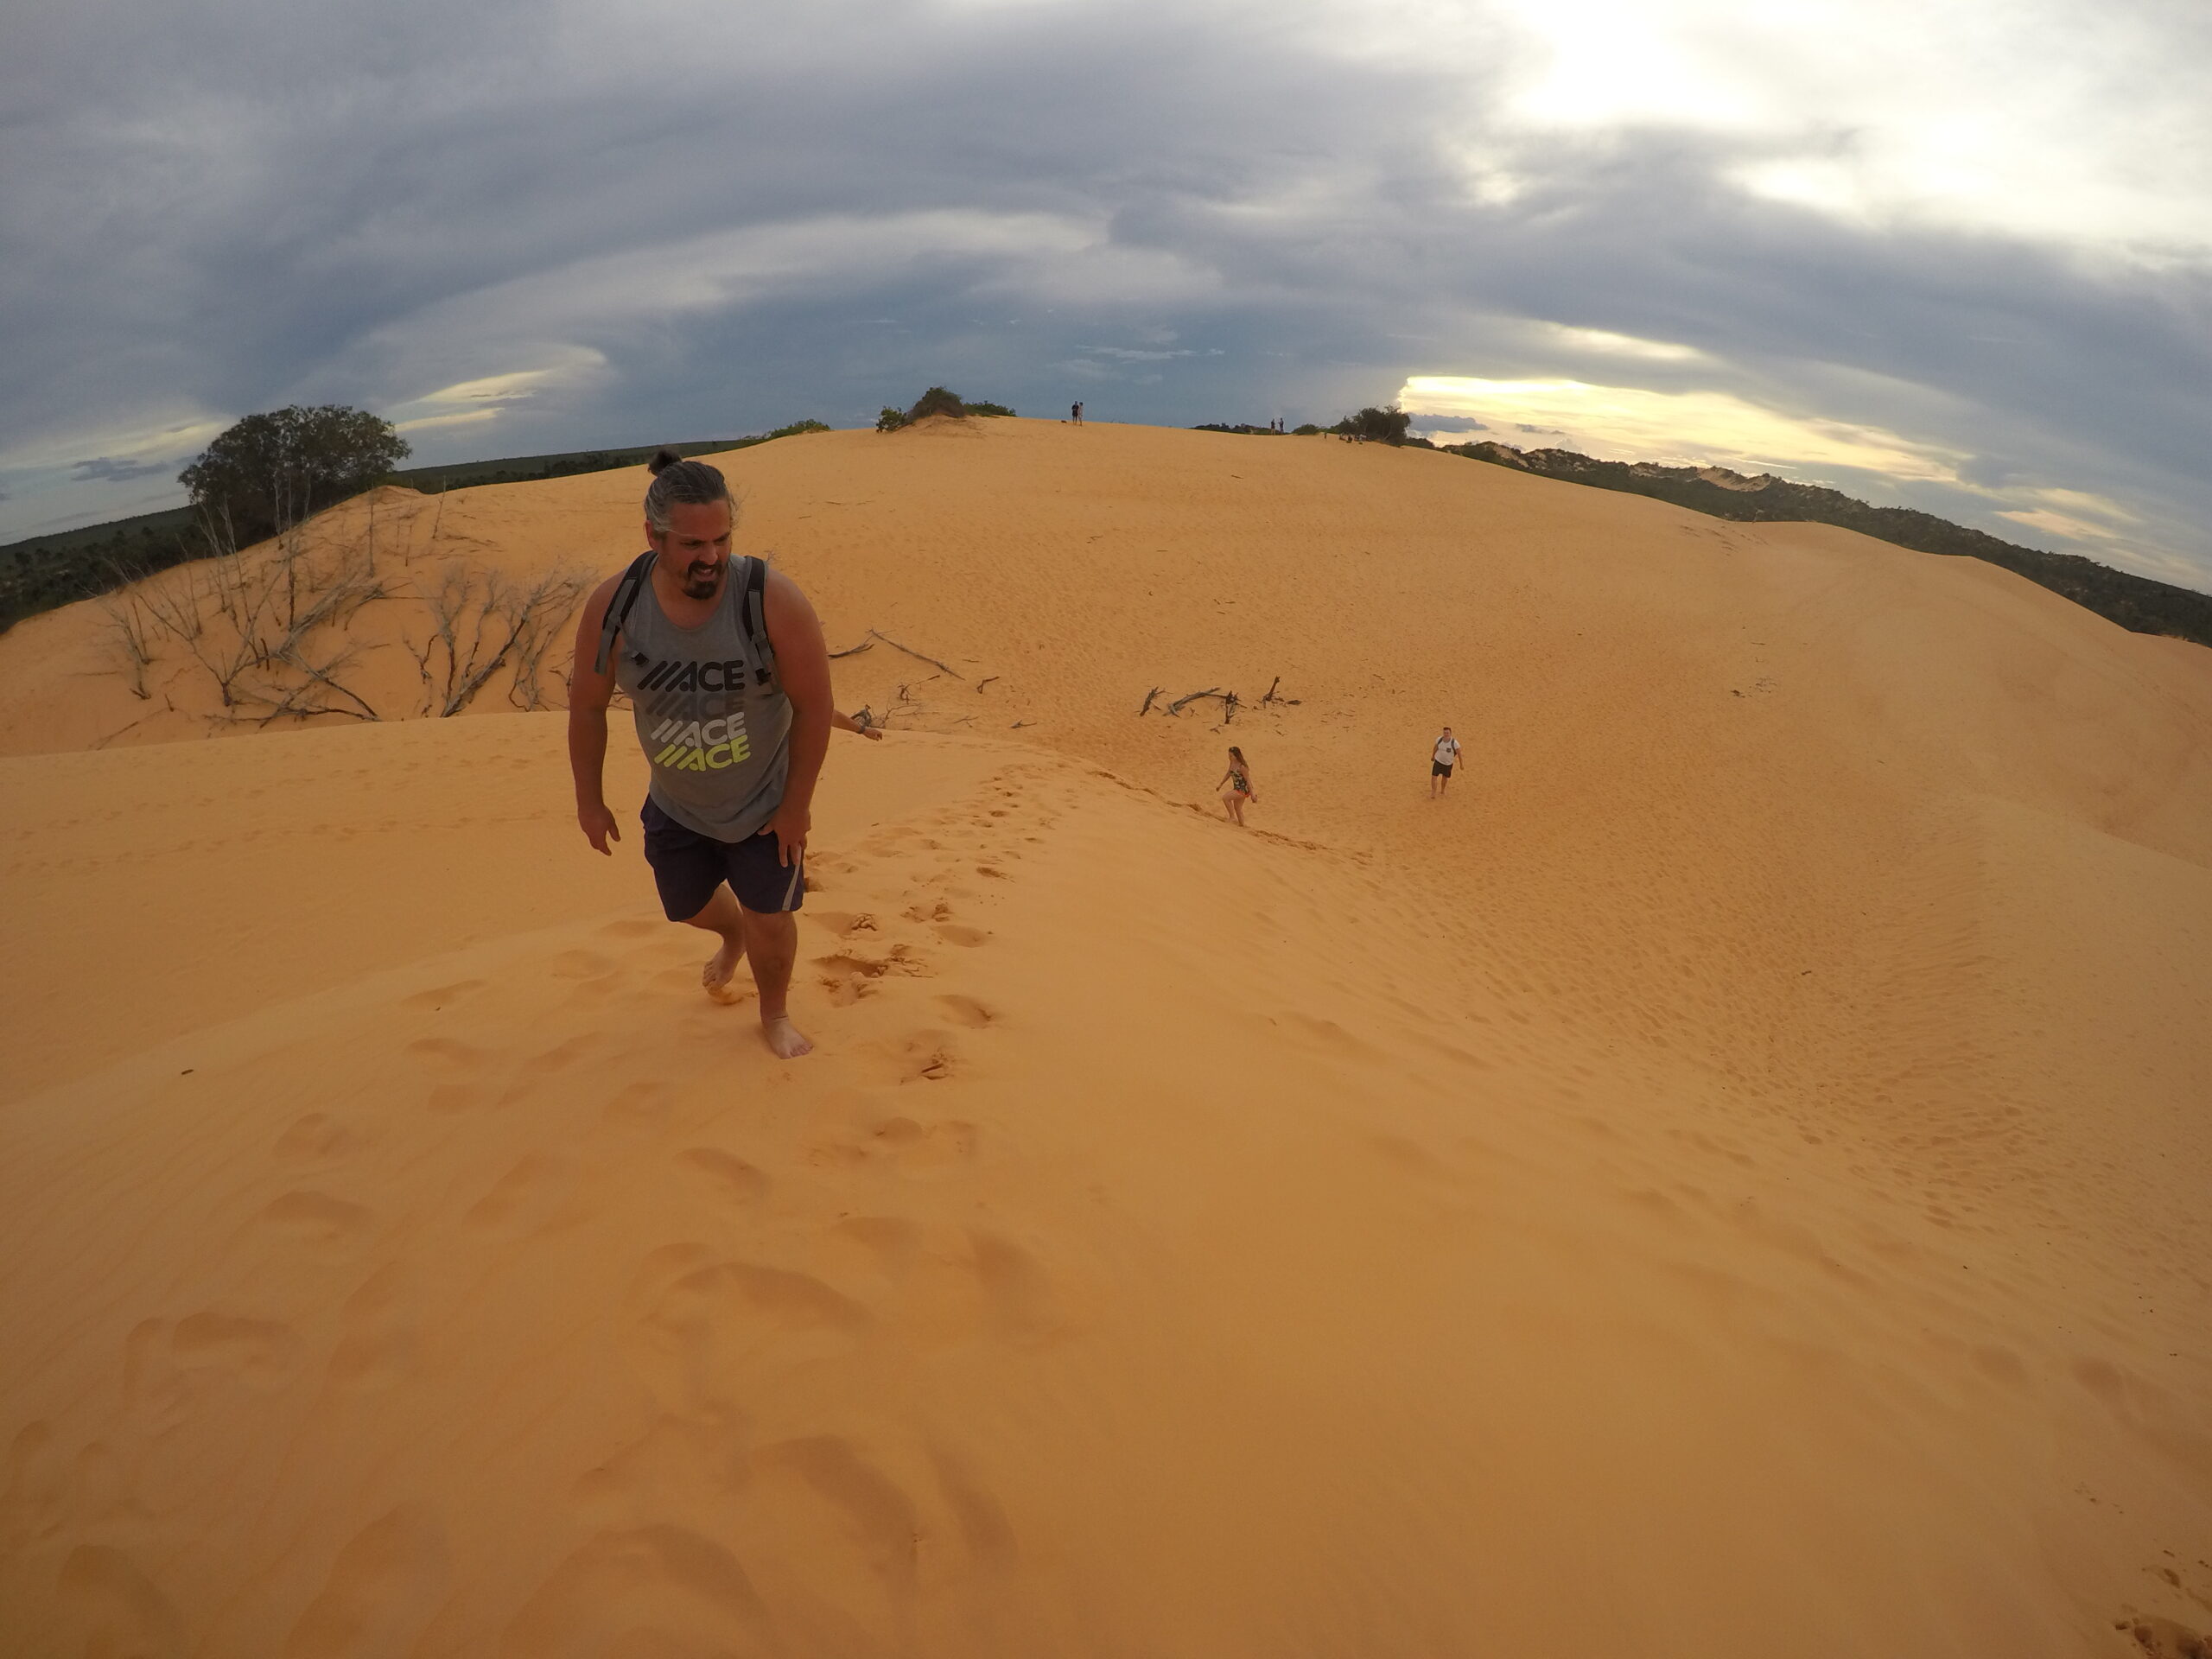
1375 425
269 471
938 401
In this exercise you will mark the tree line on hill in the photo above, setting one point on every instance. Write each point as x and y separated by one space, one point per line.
2140 604
259 478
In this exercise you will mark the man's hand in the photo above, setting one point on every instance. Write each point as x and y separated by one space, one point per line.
791 824
873 733
599 828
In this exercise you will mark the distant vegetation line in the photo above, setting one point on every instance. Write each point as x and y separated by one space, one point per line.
47 572
2140 604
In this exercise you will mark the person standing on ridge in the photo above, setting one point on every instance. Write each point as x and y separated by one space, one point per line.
1075 414
1442 759
729 679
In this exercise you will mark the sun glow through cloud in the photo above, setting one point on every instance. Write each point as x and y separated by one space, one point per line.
468 402
1682 428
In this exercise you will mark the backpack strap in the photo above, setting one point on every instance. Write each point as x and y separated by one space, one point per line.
755 607
618 607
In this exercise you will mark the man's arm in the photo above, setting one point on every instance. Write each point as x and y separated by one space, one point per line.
590 692
802 666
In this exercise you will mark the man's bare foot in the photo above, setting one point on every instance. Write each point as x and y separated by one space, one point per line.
721 969
784 1038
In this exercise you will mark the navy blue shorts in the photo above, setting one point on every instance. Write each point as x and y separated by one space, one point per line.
688 866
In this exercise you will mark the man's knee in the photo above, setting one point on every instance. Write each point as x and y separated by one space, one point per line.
773 929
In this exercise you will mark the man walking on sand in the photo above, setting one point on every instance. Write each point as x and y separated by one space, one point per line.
729 682
1441 759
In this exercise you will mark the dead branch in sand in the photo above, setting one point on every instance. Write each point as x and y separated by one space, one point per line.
1230 702
1227 698
872 635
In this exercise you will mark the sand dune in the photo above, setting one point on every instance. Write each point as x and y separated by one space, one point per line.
1729 1179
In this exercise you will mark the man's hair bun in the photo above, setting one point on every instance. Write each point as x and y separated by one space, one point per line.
662 460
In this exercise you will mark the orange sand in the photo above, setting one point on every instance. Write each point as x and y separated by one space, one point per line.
1729 1179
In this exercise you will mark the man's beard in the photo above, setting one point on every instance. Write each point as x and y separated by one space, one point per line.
700 581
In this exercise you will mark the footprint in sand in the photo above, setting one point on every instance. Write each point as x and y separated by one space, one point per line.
967 1011
921 1149
727 1176
447 1099
317 1137
31 1502
445 1056
982 1521
582 964
440 996
921 1056
332 1226
875 1514
562 1057
529 1197
376 1346
699 1328
849 976
642 1104
114 1608
1327 1034
381 1591
168 1370
260 1352
1017 1295
2163 1638
656 1589
879 1247
941 1284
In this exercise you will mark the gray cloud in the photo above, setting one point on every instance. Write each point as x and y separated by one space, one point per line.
106 469
697 222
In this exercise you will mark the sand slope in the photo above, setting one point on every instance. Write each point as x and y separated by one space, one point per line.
1729 1179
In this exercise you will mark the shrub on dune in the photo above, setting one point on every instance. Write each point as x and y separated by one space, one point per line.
1373 425
937 400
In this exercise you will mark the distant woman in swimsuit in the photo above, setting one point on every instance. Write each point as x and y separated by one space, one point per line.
1236 785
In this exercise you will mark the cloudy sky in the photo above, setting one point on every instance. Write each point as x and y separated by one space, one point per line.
1954 254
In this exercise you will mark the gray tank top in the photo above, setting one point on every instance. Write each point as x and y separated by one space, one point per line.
718 739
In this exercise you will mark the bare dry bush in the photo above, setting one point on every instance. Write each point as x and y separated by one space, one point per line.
132 630
268 630
482 622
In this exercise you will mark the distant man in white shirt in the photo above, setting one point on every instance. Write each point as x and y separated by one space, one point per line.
1446 756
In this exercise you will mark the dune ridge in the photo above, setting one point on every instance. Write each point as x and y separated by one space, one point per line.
1727 1179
